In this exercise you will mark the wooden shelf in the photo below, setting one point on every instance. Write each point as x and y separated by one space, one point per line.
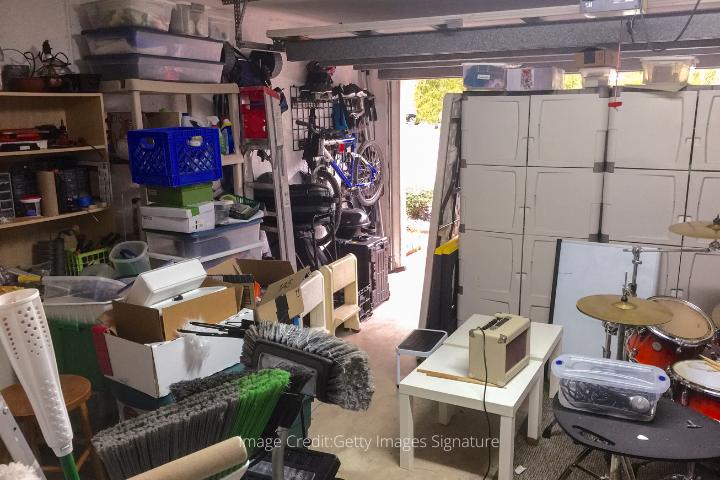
178 88
24 221
232 159
48 94
52 151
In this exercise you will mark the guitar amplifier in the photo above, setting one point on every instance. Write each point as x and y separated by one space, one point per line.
505 342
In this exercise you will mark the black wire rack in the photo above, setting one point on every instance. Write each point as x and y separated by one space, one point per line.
302 102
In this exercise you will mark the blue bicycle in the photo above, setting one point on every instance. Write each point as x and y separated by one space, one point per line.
360 170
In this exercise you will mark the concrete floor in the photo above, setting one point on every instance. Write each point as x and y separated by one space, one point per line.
344 430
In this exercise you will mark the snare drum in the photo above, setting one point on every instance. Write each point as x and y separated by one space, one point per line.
684 337
697 385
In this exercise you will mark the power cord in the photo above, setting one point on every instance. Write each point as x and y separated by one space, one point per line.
487 416
631 28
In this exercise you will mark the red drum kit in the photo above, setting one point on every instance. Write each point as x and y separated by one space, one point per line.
674 334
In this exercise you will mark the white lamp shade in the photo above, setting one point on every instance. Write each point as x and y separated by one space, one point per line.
25 335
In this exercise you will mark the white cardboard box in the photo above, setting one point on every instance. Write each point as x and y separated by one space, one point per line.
198 218
152 368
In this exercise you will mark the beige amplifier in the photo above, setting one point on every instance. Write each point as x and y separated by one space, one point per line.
505 344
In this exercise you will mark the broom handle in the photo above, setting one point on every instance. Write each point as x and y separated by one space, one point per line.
201 464
69 468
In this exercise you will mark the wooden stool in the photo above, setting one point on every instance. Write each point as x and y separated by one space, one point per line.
76 392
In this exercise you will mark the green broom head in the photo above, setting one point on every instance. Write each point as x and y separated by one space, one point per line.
241 407
350 384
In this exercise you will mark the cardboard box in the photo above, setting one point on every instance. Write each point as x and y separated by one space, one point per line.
152 368
596 57
281 299
148 325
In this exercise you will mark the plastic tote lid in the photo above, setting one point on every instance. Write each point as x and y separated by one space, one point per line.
611 373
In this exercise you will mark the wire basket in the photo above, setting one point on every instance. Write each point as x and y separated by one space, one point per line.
77 262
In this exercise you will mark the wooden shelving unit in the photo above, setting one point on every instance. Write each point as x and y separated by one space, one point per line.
83 115
52 151
25 221
136 88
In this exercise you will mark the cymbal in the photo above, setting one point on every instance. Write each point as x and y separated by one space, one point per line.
636 312
700 229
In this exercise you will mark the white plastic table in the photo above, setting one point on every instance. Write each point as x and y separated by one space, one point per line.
452 358
544 341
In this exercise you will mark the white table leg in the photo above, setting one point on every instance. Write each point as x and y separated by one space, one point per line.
407 455
535 407
445 413
554 382
397 368
506 456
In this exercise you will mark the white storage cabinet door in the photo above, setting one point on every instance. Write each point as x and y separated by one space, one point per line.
703 203
563 202
494 130
706 148
640 205
489 273
652 130
537 277
493 198
567 130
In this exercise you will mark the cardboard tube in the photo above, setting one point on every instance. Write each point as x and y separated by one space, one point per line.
201 464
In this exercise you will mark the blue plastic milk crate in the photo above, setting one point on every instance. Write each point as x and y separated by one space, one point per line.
174 157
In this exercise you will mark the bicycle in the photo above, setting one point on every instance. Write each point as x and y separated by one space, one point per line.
337 156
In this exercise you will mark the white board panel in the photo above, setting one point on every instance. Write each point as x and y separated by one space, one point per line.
593 269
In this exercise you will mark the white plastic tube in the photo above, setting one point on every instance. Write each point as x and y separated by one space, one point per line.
25 335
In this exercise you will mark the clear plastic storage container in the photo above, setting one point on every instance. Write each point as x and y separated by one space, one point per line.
189 19
221 28
133 264
534 78
79 299
484 76
204 244
668 69
150 67
598 76
124 40
129 13
610 387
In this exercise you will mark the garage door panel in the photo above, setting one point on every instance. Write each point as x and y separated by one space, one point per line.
493 198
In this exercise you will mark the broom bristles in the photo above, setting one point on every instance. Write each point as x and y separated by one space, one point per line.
350 384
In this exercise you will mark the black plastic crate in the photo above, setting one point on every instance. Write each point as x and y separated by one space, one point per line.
373 255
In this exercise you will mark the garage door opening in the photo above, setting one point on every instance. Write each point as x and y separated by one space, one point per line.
420 111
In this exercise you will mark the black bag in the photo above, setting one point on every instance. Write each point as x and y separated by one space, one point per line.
309 200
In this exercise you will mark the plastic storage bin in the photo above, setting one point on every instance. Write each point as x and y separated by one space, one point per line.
129 13
79 299
145 41
534 78
151 67
174 157
610 387
484 76
77 262
181 196
667 69
189 19
75 351
128 267
207 243
598 76
221 28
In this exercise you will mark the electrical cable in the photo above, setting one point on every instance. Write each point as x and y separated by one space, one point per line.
631 27
487 416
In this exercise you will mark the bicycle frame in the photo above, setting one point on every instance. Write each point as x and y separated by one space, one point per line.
327 158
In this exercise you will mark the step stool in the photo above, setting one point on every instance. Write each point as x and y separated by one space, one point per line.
421 342
312 290
341 275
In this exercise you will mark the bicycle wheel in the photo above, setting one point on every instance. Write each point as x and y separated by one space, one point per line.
372 187
327 178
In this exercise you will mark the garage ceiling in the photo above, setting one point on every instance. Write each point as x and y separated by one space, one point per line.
337 11
391 37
